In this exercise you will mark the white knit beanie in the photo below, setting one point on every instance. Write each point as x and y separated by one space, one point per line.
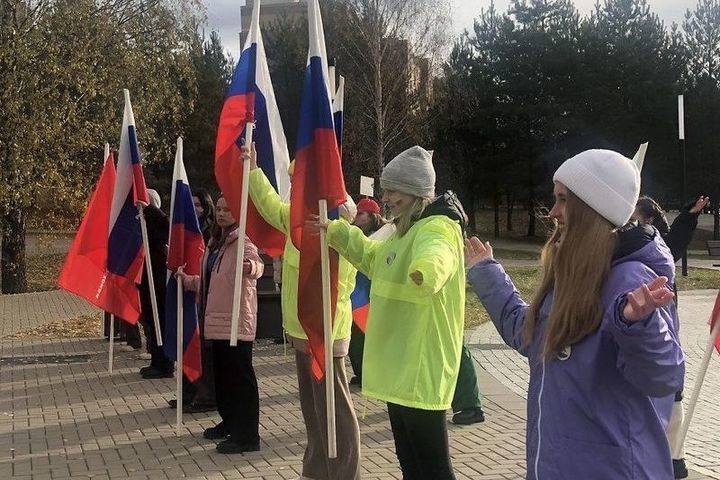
607 181
410 172
154 198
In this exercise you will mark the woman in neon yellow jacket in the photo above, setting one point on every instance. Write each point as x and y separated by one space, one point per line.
415 325
316 465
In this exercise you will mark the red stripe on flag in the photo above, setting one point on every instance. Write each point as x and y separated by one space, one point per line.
360 316
713 316
228 173
192 362
318 175
185 246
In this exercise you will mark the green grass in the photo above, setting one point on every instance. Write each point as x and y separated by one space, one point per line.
698 279
43 270
503 254
527 280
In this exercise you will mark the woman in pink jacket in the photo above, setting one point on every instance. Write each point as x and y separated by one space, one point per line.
236 386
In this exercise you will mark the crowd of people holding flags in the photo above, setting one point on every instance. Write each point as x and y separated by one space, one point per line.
600 334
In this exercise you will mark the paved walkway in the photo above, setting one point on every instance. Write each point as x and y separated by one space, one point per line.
25 311
703 445
63 416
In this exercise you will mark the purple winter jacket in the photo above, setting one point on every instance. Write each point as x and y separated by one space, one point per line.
600 411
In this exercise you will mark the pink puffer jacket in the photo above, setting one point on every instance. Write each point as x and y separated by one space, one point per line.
218 309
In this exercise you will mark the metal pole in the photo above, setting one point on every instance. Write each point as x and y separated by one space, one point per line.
681 138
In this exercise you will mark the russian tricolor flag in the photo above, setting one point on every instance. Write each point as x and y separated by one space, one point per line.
318 175
125 248
185 251
338 112
251 98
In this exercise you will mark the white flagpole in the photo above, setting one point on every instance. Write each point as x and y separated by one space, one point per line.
179 352
148 271
242 223
327 334
699 381
111 326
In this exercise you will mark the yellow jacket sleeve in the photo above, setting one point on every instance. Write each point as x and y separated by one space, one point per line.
435 255
268 203
350 242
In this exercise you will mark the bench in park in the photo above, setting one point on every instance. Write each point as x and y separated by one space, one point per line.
713 248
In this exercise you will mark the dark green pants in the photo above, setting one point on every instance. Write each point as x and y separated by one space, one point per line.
467 393
357 345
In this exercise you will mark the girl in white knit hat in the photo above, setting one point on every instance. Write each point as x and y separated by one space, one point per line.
599 335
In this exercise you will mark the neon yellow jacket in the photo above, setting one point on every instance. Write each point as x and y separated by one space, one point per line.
277 213
414 333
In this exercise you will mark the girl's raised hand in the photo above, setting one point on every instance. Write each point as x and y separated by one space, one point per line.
644 300
476 251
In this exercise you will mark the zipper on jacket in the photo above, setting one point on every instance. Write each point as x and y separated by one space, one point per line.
539 442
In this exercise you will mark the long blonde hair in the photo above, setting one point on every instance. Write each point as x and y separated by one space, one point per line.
411 215
576 266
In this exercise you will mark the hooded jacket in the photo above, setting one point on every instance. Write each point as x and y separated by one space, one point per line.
414 332
600 410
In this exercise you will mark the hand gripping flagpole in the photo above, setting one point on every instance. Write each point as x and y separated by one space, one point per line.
242 224
111 326
699 382
149 272
179 350
327 333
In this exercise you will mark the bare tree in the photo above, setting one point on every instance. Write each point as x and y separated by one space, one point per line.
392 47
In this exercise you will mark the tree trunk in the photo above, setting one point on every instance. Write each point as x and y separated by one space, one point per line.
510 203
12 262
531 217
496 207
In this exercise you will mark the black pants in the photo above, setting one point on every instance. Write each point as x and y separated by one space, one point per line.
157 354
421 443
236 391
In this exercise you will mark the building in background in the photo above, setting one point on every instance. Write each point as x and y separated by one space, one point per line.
269 11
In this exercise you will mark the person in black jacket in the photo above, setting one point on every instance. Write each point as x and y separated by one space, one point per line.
677 237
158 227
679 234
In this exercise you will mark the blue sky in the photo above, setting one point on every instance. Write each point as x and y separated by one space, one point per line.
224 15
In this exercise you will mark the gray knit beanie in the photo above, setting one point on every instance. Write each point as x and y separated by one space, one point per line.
410 172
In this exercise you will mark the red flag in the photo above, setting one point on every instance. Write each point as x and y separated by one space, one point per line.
318 175
84 272
713 317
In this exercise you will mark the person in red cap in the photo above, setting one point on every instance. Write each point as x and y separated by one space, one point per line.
368 217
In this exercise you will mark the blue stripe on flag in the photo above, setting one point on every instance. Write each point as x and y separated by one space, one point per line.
125 239
316 114
243 79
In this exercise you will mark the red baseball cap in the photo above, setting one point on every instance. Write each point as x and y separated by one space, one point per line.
368 205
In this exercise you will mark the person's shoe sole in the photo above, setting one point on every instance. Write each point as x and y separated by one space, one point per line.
479 418
154 376
199 408
213 434
231 448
